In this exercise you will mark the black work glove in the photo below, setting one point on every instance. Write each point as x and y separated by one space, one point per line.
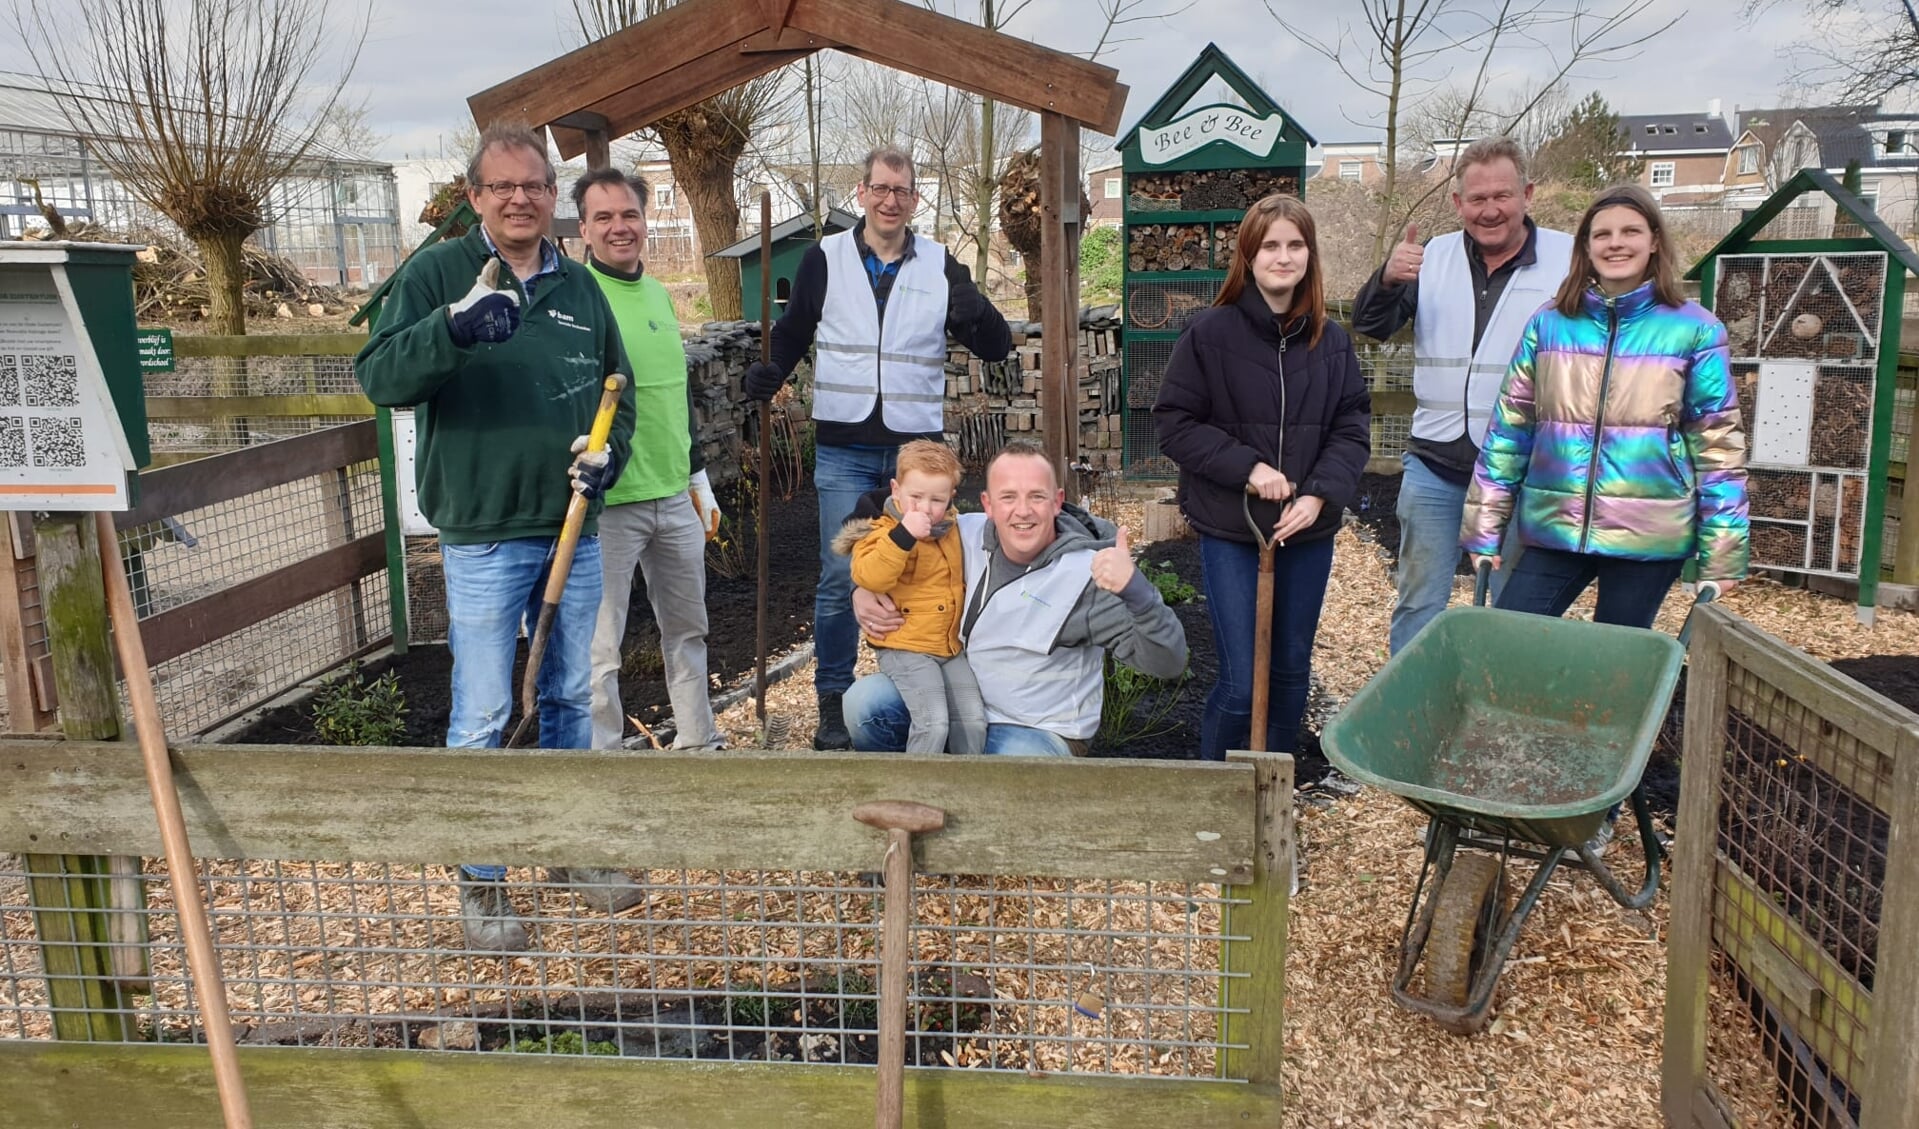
965 306
763 380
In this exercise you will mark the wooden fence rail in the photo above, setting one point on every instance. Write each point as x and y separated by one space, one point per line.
1038 818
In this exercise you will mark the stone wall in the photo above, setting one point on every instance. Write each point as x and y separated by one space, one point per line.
988 404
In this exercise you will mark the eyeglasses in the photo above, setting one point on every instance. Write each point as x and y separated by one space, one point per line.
504 189
900 192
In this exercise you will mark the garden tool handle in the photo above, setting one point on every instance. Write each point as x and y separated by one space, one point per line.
576 509
901 820
1482 583
203 960
1262 537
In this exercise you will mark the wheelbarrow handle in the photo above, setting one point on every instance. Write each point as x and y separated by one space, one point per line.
1482 583
1705 592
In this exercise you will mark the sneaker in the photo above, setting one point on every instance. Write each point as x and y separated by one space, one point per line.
600 887
1601 839
832 732
491 922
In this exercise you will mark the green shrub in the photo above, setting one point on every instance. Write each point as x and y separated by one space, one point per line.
349 710
565 1043
1102 262
1172 588
1137 705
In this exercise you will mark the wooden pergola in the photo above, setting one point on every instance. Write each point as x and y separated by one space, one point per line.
699 48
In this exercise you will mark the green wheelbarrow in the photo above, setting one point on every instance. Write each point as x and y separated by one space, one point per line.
1517 734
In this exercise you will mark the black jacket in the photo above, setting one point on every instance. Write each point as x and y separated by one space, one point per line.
1219 415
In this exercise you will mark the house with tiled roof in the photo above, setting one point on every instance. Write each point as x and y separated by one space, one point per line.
1885 147
1682 155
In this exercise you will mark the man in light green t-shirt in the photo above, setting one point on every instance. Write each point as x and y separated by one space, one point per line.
661 513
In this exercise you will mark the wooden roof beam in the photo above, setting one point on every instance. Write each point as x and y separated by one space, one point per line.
968 56
777 13
702 78
635 55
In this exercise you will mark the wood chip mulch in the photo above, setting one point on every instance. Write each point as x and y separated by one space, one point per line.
1578 1028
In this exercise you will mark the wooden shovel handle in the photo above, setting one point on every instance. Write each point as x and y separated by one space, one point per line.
576 509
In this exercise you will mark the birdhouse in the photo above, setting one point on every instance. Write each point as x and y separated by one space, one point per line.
790 241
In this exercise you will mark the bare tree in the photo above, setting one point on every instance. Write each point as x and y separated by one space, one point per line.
1402 50
703 143
347 129
1861 51
197 107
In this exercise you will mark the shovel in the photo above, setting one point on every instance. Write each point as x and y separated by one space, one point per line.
1263 621
563 562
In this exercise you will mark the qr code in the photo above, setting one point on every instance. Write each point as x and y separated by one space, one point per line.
9 380
57 441
13 441
52 381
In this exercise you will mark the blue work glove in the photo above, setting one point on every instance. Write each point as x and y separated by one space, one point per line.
487 313
762 381
593 472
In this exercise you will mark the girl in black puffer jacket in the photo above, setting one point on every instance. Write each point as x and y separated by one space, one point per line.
1263 394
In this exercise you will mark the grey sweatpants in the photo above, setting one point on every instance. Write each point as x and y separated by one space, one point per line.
943 699
665 540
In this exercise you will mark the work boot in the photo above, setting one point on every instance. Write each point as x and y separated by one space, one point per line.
599 887
1601 839
491 923
831 733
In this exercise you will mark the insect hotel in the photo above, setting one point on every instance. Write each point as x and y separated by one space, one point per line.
1813 330
1190 174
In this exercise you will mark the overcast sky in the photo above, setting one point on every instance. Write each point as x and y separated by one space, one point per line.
422 59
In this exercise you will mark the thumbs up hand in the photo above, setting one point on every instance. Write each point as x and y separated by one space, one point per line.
1403 264
486 313
1113 566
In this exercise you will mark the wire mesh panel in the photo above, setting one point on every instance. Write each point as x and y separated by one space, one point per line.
205 553
1797 780
1146 359
319 374
1007 974
1168 976
1166 303
1804 337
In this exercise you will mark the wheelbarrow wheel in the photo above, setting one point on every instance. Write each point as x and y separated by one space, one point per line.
1463 924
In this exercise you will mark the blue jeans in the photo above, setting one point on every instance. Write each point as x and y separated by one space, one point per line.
1231 577
1429 513
1547 581
841 475
490 589
877 718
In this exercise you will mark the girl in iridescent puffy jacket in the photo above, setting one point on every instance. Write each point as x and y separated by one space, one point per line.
1616 444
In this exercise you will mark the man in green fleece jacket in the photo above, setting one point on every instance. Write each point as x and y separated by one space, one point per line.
502 345
661 513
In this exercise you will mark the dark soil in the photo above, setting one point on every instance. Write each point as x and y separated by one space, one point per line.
425 671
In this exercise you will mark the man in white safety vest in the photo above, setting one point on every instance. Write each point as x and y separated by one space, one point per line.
1050 591
878 303
1469 295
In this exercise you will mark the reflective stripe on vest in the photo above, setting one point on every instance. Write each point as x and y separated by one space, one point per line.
1455 385
853 366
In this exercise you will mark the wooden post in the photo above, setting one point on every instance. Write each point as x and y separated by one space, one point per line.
599 150
1695 856
1892 1070
92 956
1060 221
29 693
1254 993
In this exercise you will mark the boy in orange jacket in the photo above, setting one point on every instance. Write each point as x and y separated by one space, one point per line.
912 553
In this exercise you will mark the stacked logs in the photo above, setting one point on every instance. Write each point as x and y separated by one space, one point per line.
1211 189
1166 247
